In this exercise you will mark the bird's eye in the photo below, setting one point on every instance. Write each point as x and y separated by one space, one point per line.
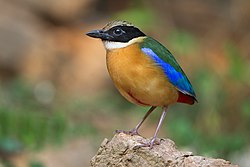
117 32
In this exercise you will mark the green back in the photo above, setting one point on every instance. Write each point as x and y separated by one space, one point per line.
162 57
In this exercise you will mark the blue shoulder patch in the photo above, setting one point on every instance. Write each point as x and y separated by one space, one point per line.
174 77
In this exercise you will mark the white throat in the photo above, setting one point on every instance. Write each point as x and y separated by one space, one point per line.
109 45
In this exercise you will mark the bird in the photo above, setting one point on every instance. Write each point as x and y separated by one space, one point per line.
144 71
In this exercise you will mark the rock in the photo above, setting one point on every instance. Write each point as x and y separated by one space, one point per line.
121 151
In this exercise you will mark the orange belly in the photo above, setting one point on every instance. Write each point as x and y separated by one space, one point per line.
138 79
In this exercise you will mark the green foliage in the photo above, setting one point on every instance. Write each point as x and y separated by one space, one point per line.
181 42
32 129
238 67
245 109
140 16
9 146
35 164
24 120
180 129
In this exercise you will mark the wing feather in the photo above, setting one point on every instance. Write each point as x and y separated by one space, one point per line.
164 59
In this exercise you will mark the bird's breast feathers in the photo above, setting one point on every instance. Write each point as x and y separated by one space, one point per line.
142 77
137 77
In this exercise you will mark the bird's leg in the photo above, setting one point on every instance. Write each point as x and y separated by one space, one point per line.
151 143
134 131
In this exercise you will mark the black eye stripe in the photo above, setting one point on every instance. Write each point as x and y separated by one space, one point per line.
126 33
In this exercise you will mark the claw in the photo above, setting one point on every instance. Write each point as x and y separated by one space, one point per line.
153 141
134 131
131 132
149 144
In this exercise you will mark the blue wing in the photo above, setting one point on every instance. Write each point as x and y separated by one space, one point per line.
177 78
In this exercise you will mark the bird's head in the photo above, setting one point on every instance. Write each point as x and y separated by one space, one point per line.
117 34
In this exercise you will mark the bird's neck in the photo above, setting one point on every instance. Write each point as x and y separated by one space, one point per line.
110 45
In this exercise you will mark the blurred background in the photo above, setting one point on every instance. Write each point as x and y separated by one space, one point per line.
57 102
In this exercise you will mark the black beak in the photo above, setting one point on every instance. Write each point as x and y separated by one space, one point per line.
99 34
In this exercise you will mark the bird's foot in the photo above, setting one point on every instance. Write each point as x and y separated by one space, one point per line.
131 132
149 144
